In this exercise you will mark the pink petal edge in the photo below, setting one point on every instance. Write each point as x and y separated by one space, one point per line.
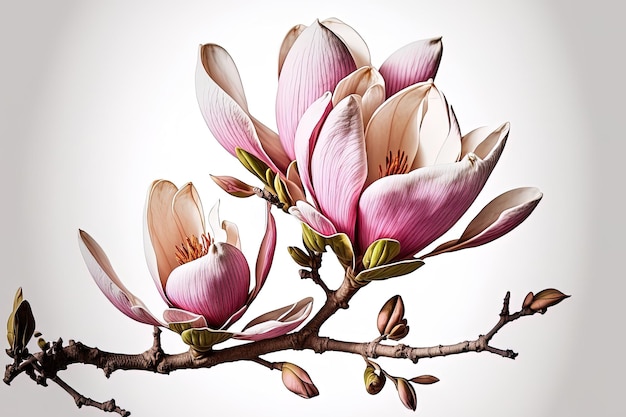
109 283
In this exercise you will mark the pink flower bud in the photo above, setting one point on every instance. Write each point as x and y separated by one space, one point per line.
298 381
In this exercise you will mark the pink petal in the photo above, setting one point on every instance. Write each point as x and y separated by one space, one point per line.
306 137
418 207
215 285
339 164
351 38
394 128
266 254
107 280
317 61
277 322
414 63
161 235
188 213
316 220
498 218
178 316
226 115
285 47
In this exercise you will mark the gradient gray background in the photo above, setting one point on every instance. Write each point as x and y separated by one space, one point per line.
98 100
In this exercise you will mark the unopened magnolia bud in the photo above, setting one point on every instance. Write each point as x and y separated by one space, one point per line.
547 298
374 382
298 381
399 331
406 393
391 315
425 379
528 300
233 186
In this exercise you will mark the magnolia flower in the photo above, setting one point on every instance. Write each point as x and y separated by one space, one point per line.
405 174
312 60
204 282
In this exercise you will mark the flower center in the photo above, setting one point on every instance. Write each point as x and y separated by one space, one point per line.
192 248
394 164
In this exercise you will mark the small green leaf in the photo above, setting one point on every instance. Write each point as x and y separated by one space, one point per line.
381 252
389 271
282 193
299 256
339 243
253 164
203 339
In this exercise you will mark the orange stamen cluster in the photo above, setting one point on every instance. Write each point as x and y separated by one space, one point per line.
192 248
394 164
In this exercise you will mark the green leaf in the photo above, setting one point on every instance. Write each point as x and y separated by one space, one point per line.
381 252
253 164
339 243
299 256
389 271
203 339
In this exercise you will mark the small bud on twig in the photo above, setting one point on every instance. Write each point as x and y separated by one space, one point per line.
547 298
391 322
374 378
233 186
299 256
528 300
298 381
406 392
425 379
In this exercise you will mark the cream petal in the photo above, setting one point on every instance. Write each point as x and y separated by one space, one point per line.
339 164
472 139
411 64
499 217
350 37
366 82
188 213
277 322
394 128
306 137
418 207
109 283
288 41
294 183
227 116
316 62
161 235
439 140
232 233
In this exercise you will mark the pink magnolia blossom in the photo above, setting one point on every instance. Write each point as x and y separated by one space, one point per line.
204 282
312 60
405 173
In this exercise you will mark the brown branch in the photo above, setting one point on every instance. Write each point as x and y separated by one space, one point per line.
80 400
269 197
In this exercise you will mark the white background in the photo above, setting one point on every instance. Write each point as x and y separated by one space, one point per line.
97 100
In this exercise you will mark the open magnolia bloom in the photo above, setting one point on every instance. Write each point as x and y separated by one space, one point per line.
312 60
205 283
401 178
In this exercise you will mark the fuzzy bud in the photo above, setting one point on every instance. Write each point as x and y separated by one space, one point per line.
547 298
406 392
374 382
390 319
298 381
